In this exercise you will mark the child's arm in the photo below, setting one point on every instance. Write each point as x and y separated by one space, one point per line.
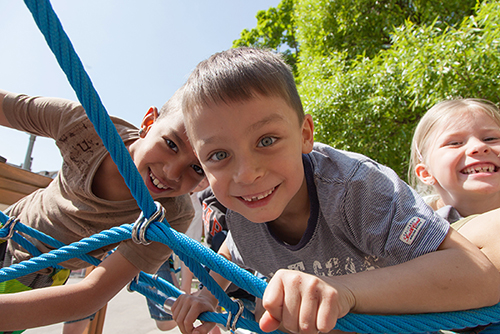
455 277
187 308
3 119
46 306
186 278
483 231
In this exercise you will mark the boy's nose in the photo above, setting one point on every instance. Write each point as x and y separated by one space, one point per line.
247 171
173 172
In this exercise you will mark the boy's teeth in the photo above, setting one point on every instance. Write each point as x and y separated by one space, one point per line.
157 182
257 198
473 170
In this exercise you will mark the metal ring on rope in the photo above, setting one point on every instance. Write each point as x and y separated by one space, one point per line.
169 302
141 224
12 221
232 328
134 280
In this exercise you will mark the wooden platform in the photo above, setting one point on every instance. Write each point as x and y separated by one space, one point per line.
15 183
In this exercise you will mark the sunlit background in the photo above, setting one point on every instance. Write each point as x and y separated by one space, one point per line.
137 54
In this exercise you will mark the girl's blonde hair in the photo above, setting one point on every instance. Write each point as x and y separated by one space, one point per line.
438 116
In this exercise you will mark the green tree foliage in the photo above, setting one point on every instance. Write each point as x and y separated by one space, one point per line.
275 30
372 105
368 70
364 27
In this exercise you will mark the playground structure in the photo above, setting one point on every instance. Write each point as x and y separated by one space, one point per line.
151 226
15 183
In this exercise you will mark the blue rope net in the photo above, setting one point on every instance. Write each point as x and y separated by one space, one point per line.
191 252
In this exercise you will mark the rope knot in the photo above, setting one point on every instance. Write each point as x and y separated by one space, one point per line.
141 224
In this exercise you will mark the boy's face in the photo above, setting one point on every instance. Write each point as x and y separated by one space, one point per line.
164 156
463 157
251 152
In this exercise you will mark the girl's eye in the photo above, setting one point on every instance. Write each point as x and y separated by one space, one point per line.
217 156
491 139
198 170
453 143
267 141
172 145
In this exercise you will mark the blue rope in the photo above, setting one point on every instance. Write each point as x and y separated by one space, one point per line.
70 63
62 48
52 258
171 290
26 244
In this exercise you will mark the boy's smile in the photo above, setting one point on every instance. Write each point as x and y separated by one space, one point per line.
258 197
164 156
252 152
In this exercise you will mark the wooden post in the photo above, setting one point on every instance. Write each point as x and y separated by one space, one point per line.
95 326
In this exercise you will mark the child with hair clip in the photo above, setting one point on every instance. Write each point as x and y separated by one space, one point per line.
455 158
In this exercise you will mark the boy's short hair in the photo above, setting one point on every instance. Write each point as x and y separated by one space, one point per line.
238 75
173 104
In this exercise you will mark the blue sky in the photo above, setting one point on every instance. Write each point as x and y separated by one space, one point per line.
137 53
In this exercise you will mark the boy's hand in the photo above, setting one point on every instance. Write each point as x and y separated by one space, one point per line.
186 310
303 303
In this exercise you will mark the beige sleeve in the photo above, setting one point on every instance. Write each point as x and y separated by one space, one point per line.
460 223
41 116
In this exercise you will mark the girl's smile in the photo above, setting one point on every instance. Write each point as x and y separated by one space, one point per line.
463 160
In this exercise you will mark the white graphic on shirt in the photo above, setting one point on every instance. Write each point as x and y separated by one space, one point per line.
297 266
336 266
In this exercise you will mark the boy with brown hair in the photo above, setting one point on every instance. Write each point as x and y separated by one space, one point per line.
89 195
357 237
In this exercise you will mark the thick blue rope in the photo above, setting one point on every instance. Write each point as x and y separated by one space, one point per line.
26 244
221 318
62 48
111 236
418 323
70 63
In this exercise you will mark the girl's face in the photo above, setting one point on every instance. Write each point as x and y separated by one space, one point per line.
164 156
462 160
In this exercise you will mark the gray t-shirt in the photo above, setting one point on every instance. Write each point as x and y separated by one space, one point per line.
362 217
67 209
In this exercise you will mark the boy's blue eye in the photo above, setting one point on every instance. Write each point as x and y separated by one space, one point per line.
217 156
267 141
198 170
172 145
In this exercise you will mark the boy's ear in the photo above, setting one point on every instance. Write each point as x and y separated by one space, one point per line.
148 120
307 134
424 174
